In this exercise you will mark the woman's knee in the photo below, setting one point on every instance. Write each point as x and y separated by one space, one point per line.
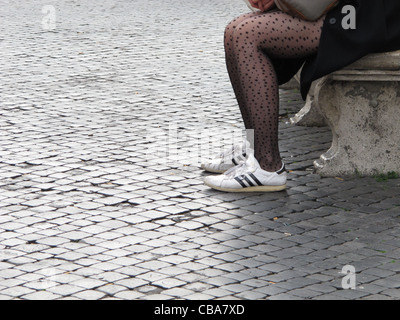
230 28
249 31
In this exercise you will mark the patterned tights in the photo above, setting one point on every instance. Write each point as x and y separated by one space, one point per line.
249 42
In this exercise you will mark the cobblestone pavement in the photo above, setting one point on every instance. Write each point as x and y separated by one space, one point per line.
93 205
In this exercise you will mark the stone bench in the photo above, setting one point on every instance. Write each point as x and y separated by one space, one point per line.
361 105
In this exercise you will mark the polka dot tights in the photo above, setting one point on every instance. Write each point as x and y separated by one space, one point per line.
250 41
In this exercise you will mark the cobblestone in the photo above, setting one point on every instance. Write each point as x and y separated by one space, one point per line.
93 205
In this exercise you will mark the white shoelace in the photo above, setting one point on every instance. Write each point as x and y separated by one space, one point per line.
230 152
235 150
227 153
239 170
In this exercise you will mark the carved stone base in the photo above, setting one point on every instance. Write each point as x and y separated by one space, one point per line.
363 111
309 115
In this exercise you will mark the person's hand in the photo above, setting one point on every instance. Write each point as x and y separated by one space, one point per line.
267 4
262 5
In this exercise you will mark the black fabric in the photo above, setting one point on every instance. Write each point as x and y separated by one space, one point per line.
286 68
377 30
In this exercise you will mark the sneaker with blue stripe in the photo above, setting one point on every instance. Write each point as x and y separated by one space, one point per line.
248 177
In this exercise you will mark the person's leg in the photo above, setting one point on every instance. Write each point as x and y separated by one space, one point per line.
237 153
253 77
231 65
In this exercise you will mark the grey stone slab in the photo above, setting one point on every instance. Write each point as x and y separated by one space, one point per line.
92 188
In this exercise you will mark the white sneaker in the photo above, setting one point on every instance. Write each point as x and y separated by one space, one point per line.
248 177
229 159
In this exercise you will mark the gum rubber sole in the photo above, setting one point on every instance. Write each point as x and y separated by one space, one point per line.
250 189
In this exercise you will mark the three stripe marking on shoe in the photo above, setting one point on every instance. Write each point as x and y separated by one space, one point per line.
235 162
242 179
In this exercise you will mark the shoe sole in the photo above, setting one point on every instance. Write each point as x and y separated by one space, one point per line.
250 189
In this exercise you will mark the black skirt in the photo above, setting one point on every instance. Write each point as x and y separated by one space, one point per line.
377 30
